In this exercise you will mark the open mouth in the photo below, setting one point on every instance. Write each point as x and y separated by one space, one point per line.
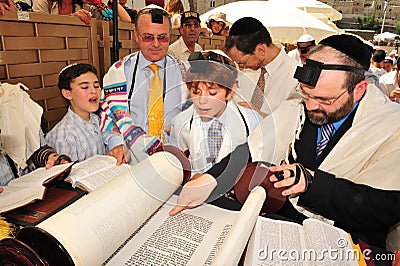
94 100
204 110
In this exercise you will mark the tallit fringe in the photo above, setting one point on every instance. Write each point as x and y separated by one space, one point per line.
296 136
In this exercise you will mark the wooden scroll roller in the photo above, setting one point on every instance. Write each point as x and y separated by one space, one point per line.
14 252
182 157
33 246
254 174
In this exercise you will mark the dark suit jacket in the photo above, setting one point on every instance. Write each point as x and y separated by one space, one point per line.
361 210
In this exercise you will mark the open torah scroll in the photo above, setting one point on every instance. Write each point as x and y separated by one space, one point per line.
126 222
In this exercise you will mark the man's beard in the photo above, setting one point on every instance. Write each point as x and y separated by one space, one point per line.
326 118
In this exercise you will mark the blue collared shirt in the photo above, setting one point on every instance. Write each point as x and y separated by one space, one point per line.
168 70
337 124
76 137
6 174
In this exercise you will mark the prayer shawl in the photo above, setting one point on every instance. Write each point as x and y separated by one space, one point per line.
362 155
20 119
115 116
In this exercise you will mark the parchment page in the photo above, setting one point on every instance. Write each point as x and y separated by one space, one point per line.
90 167
38 176
331 245
94 181
275 242
27 188
194 237
93 227
185 239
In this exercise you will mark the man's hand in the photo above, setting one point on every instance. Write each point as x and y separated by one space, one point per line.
6 5
51 161
245 105
285 176
121 153
395 94
194 193
56 159
250 106
84 15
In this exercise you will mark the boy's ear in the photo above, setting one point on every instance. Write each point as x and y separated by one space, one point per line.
230 92
66 94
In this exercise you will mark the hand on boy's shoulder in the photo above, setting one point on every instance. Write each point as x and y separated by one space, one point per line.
121 153
245 105
249 106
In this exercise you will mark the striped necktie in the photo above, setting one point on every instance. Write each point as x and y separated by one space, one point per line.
155 104
326 134
214 140
257 98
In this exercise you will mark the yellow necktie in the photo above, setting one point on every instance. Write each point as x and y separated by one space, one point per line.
155 104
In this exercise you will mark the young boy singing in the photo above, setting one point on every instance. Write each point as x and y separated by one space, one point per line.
77 134
214 125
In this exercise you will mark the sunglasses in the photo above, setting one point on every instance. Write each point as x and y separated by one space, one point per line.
304 50
189 25
149 38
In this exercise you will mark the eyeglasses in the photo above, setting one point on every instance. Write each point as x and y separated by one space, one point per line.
243 64
189 25
319 100
212 56
149 38
305 49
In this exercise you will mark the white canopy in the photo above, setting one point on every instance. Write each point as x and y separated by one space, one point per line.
313 7
285 23
385 36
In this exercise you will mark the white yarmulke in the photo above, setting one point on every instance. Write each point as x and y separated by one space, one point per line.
306 38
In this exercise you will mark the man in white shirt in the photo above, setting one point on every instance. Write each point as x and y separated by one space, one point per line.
389 84
190 32
377 63
250 45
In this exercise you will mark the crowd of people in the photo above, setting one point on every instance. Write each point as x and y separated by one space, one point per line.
324 114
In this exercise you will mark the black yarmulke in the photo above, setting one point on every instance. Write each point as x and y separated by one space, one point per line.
379 55
246 25
350 46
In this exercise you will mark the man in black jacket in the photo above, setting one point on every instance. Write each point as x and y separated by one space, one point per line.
340 147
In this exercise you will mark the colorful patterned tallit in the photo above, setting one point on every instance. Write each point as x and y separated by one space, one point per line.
114 109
